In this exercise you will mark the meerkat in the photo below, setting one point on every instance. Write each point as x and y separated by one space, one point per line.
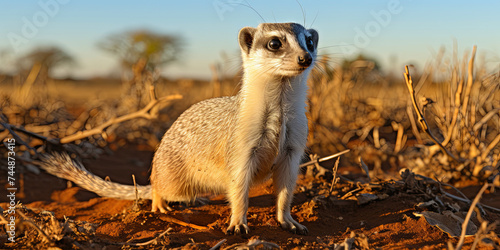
225 145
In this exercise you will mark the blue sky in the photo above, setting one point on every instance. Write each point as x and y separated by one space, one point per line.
395 32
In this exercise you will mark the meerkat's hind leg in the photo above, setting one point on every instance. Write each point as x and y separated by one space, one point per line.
284 179
158 203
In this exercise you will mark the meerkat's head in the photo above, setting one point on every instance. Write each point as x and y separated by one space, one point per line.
278 49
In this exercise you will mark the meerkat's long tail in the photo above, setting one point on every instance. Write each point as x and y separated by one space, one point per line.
62 166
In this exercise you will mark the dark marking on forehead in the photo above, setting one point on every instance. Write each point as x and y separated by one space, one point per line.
286 27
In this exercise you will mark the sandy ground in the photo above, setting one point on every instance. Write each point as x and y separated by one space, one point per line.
387 223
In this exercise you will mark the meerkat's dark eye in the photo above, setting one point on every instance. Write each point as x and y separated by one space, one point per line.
274 44
310 43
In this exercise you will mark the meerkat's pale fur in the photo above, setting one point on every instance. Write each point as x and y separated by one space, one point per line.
226 145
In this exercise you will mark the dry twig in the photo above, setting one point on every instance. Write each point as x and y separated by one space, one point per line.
421 119
469 214
149 242
16 136
324 158
143 113
27 221
148 112
218 245
462 199
182 223
335 169
136 201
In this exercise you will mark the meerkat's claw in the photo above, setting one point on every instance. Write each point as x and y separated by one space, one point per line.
238 229
163 208
302 230
294 227
159 204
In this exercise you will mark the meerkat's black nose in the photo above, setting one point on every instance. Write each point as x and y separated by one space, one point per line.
305 60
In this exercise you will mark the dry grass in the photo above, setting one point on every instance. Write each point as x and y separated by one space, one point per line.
354 108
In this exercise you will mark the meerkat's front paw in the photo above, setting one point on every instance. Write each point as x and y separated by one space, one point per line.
238 229
288 223
158 203
162 206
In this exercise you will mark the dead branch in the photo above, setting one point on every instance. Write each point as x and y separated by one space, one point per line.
469 214
10 128
462 199
143 113
335 179
149 242
29 133
148 112
136 201
485 119
16 136
490 147
324 158
182 223
414 125
27 221
421 119
218 245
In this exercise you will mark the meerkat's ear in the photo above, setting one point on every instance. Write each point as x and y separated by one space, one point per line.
315 37
245 37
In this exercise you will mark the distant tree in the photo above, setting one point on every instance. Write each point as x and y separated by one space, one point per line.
47 58
364 69
362 61
154 49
